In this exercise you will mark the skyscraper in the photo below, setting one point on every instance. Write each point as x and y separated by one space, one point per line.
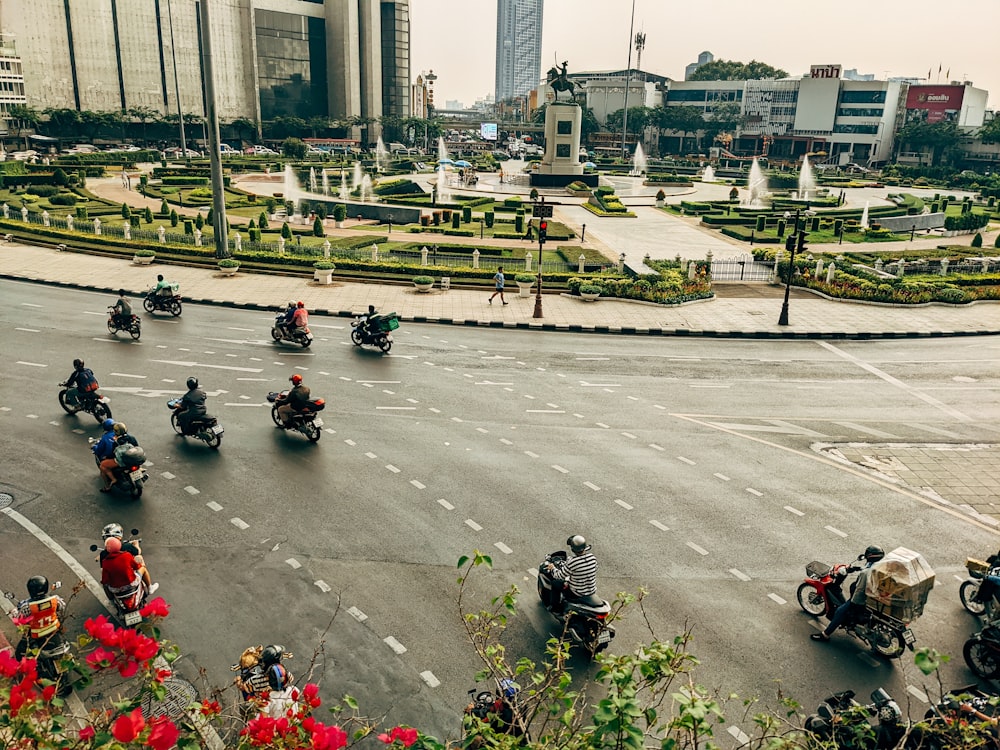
519 47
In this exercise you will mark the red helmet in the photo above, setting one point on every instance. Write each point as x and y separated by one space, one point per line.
301 303
296 379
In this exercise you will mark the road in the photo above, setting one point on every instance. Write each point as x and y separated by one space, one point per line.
707 472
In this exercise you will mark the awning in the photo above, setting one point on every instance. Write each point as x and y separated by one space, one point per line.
43 139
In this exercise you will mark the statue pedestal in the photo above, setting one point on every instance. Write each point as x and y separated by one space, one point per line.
561 163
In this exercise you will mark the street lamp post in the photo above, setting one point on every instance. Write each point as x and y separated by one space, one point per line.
792 243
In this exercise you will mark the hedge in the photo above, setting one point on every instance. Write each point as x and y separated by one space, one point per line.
185 180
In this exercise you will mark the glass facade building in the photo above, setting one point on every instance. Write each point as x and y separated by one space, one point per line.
519 47
291 65
395 59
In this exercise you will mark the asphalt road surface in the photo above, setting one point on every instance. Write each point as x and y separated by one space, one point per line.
704 471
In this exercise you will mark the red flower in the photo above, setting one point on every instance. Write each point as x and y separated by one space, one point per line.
328 738
161 675
163 735
47 692
21 694
156 608
405 735
86 733
310 695
210 708
101 629
128 668
8 664
100 657
127 726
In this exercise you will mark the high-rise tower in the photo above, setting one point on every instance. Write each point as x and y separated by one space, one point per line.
519 47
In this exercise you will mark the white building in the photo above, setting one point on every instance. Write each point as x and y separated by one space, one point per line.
603 91
11 85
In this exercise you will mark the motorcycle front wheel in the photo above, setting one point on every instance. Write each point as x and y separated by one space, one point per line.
66 407
112 328
275 417
147 305
175 308
887 642
982 658
967 593
276 334
356 337
176 424
312 431
810 600
101 412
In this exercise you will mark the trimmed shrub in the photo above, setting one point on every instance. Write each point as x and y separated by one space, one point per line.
164 207
519 221
456 221
466 214
761 223
133 221
64 199
60 178
188 226
286 231
815 224
781 227
262 220
199 221
488 217
147 215
513 202
977 241
318 228
425 220
838 226
126 211
174 218
210 217
184 180
340 212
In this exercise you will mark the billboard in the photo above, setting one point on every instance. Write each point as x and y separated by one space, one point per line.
936 100
488 131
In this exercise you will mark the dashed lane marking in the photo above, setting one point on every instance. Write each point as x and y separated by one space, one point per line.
322 586
473 525
430 679
578 416
212 505
794 511
552 406
688 461
836 531
529 396
28 330
31 364
659 525
603 426
776 598
445 504
656 447
503 548
245 330
457 419
696 548
632 398
293 563
202 364
723 477
432 409
505 441
395 645
544 411
31 416
756 493
482 430
369 454
625 505
629 435
560 469
32 304
592 486
350 442
239 523
392 468
396 408
192 490
599 385
412 401
917 693
739 574
418 484
739 735
357 614
657 406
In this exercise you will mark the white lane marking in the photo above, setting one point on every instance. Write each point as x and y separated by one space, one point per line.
723 477
428 677
832 530
602 425
529 396
412 401
369 454
28 330
31 364
696 548
739 574
432 409
544 411
387 391
212 505
392 468
552 406
756 493
686 460
629 435
31 416
322 586
350 442
418 485
232 328
578 416
202 364
932 430
917 693
293 563
395 645
357 614
625 505
396 408
167 475
531 454
868 430
456 419
776 598
739 735
503 548
796 511
128 375
657 406
592 359
192 490
234 403
632 398
656 447
659 525
490 382
254 380
445 504
482 430
600 385
592 486
94 312
239 523
380 382
560 469
32 304
473 525
712 385
505 441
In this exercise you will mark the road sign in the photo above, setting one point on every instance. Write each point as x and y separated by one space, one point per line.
542 210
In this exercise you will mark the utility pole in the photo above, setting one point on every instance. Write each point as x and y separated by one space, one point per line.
628 76
219 223
177 89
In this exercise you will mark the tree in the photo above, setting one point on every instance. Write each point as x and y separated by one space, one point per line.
246 129
285 127
989 133
318 227
262 220
21 117
199 221
62 122
942 138
731 70
685 119
294 148
724 117
91 123
588 124
144 115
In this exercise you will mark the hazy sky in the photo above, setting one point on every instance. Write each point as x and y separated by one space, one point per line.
457 38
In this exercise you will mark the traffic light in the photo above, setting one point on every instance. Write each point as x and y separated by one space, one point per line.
802 241
543 229
790 242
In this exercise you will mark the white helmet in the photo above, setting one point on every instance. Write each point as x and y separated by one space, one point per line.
112 529
578 544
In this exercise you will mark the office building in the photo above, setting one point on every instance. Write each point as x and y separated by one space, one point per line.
519 47
11 86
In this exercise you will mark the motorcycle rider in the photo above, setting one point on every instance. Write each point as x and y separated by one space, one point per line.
41 612
123 310
282 693
296 400
132 547
856 603
366 321
192 405
579 572
104 449
80 381
300 318
119 569
285 324
163 288
253 680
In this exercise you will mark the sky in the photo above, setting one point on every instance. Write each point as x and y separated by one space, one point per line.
457 38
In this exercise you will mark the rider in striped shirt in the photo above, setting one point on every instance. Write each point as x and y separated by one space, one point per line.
580 570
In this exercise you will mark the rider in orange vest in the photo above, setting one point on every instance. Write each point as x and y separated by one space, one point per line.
41 613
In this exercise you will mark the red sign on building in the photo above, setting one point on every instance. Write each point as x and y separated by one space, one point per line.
936 100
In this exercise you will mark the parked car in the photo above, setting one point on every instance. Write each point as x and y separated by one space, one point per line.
262 150
174 152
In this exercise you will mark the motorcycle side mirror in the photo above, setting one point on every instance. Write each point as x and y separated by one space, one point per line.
10 595
861 556
91 440
135 531
93 548
57 585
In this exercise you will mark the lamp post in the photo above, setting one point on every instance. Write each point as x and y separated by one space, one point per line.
792 244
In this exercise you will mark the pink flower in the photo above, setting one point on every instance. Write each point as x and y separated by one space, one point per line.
328 738
127 727
163 735
100 657
156 608
405 735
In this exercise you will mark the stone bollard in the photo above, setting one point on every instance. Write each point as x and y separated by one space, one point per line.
986 265
45 219
69 222
901 269
692 270
708 265
878 264
621 263
423 255
326 248
579 263
779 257
127 230
281 245
374 252
24 214
819 268
239 242
6 210
163 235
830 271
528 257
197 238
944 266
475 258
97 226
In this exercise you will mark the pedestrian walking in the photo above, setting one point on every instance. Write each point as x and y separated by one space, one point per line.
498 278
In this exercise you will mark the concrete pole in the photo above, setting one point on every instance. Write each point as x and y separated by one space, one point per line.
212 125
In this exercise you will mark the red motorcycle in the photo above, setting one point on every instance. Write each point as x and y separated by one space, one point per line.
820 594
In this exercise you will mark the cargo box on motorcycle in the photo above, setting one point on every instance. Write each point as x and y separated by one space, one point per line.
387 323
132 455
899 584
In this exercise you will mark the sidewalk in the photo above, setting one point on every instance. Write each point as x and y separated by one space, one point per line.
740 311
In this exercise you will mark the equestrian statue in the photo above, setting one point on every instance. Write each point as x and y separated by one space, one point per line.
558 80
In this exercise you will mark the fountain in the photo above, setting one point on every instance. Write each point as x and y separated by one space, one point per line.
381 156
345 193
312 179
326 182
756 187
356 176
708 175
443 194
291 185
639 162
864 217
365 190
807 183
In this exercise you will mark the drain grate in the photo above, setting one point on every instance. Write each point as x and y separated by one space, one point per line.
180 694
5 499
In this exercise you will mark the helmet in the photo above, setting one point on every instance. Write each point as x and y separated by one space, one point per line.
121 292
113 544
192 383
159 277
291 303
271 655
120 429
577 543
371 309
295 379
38 586
277 677
112 529
300 304
874 553
108 424
508 688
77 363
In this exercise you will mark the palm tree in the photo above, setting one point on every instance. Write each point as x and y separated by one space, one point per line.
144 115
22 117
62 122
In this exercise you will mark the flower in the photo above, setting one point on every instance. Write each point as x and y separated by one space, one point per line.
163 734
127 726
405 735
86 733
156 608
100 657
161 675
47 692
210 708
310 695
328 738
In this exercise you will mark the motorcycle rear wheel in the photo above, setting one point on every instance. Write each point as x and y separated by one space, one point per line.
305 342
101 412
175 308
810 600
312 432
384 344
136 490
213 440
135 332
147 305
982 658
887 642
967 592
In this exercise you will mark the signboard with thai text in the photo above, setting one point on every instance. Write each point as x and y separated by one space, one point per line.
824 71
936 100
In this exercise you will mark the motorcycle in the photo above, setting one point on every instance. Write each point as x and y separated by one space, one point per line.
943 719
92 403
976 589
821 594
154 302
205 427
299 335
584 620
129 474
377 332
500 710
134 328
54 659
129 600
307 422
982 652
251 680
843 721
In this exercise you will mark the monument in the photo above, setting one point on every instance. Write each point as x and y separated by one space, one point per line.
560 164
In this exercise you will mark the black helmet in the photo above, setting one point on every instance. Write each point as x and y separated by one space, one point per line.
121 292
371 309
271 655
192 383
38 586
277 677
874 553
77 363
577 543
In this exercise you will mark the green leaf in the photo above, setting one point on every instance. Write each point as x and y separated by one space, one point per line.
462 561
